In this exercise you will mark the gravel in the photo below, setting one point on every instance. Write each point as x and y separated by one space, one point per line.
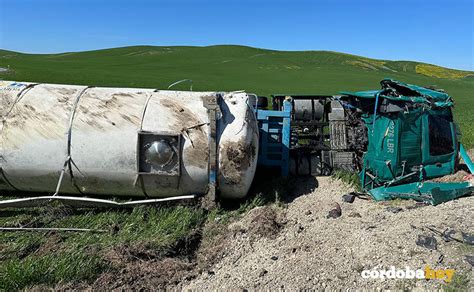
310 251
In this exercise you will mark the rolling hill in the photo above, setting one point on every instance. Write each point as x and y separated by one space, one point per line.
237 67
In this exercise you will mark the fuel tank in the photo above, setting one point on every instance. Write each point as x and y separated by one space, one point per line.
125 141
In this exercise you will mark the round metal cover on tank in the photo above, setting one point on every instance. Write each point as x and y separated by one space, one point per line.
159 153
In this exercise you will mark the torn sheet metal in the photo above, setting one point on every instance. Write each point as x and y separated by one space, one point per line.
413 138
430 192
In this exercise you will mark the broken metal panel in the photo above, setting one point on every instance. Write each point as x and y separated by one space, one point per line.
430 192
466 158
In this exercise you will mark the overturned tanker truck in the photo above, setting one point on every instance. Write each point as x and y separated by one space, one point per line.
76 143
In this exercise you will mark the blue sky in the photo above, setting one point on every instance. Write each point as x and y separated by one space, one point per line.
434 31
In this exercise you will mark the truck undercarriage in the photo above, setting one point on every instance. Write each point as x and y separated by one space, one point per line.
402 135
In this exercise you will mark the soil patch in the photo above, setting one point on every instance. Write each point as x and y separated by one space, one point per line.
456 177
265 221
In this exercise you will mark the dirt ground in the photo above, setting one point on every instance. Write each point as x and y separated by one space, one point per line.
296 246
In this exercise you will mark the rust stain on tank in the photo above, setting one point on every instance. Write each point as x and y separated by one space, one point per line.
236 158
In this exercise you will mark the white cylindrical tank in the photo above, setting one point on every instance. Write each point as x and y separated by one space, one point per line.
124 141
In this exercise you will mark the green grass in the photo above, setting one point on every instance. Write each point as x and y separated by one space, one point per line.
31 258
460 282
16 274
146 232
237 67
348 177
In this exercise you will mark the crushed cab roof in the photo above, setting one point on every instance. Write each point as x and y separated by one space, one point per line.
399 91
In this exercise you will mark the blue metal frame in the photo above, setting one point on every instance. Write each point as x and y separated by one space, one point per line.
275 134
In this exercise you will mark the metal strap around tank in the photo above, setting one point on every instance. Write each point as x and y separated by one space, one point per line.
5 179
19 96
69 162
139 178
214 112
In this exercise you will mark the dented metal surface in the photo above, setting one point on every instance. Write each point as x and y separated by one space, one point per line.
111 129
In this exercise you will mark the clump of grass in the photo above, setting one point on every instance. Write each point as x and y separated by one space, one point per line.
460 282
159 228
16 274
348 177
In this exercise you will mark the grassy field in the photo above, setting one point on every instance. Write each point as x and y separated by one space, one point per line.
144 233
236 67
29 259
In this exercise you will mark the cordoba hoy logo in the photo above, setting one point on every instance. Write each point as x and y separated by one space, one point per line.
408 273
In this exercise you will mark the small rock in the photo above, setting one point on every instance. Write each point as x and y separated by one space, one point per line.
417 205
468 238
355 215
428 242
393 209
348 198
448 235
262 273
335 212
470 260
308 212
300 228
274 258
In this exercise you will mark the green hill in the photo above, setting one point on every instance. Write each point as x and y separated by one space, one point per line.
238 67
